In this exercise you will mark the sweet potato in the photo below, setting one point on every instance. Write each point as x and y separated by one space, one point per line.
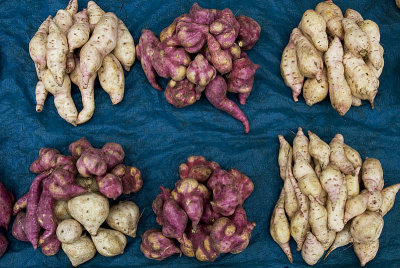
79 33
41 95
18 227
249 32
314 91
45 214
51 247
144 52
285 154
109 185
331 180
354 38
65 192
366 251
312 249
61 210
200 71
78 147
225 28
131 178
94 12
372 175
56 52
216 95
124 217
112 79
20 204
352 183
156 246
241 78
336 211
371 29
338 157
308 181
80 251
279 227
377 72
181 94
319 149
190 35
342 239
355 206
319 221
291 205
197 167
124 50
388 197
90 163
202 15
64 20
3 244
300 147
209 215
37 46
290 70
360 78
109 243
6 206
309 59
354 15
367 227
221 59
201 245
333 17
353 156
68 231
339 90
313 25
100 44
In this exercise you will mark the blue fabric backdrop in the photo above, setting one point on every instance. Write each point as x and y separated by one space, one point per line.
158 137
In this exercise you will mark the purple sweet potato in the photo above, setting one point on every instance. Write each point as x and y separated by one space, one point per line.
3 244
235 51
91 162
20 204
190 35
6 206
156 246
216 95
110 185
78 147
65 192
45 214
243 227
209 215
225 28
18 227
144 52
158 205
249 32
243 96
131 178
197 167
242 183
113 154
62 177
225 199
180 94
51 247
46 160
200 71
170 62
202 15
203 247
221 59
241 78
220 177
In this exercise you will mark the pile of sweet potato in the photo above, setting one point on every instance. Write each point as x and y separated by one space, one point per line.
204 213
323 205
6 205
78 47
73 191
335 54
203 51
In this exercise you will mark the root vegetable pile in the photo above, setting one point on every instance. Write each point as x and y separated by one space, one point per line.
203 214
335 54
203 51
76 47
323 205
6 210
67 204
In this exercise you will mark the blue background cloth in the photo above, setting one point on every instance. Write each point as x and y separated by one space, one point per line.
158 137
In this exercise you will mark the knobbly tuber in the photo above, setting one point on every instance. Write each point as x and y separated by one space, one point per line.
80 251
249 32
108 242
124 217
156 246
181 94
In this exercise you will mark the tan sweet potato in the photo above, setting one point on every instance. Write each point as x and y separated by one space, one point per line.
319 150
354 38
312 249
300 147
313 25
56 52
353 14
124 50
333 16
338 156
37 45
389 196
366 251
314 91
112 79
336 213
374 53
367 227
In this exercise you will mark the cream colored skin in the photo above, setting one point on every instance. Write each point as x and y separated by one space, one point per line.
41 95
37 45
342 239
372 30
366 251
355 206
61 210
124 217
377 72
308 57
300 147
87 94
56 52
331 181
111 77
109 243
313 25
353 156
333 16
90 209
329 242
388 197
354 38
308 181
367 227
62 96
336 213
70 63
68 231
352 184
375 200
63 20
312 249
354 15
372 175
339 90
80 251
79 33
125 49
314 91
94 12
279 227
319 221
100 44
72 7
285 150
290 71
319 149
338 156
356 102
360 78
291 205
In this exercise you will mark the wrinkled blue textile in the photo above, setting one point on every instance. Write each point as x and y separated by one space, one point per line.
158 137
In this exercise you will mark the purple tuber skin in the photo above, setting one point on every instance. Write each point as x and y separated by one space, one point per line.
241 78
198 168
216 95
3 244
45 214
209 215
113 154
200 71
158 205
221 59
65 192
249 32
225 28
78 147
234 51
131 178
91 162
110 185
156 246
202 246
243 96
220 177
243 227
144 52
180 94
32 226
170 62
62 177
46 160
190 35
20 204
6 206
51 247
242 183
18 227
202 15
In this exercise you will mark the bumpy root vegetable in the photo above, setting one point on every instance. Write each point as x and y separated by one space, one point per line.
3 244
355 206
331 180
41 95
80 251
319 221
181 94
372 31
366 251
319 149
6 206
366 227
354 38
79 33
61 210
353 156
216 95
131 178
37 45
342 239
313 25
314 91
124 217
111 77
197 167
225 28
46 216
56 52
18 227
354 15
109 243
388 197
285 154
338 156
290 70
124 50
372 175
336 211
221 59
156 246
51 247
308 181
249 32
200 71
241 78
94 13
333 17
375 200
68 231
312 249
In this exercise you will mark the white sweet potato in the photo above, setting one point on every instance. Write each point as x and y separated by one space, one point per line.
331 239
124 217
61 210
388 197
377 72
314 91
374 53
331 181
354 15
80 251
338 156
72 7
355 206
336 213
94 12
333 16
356 102
353 156
111 77
125 49
372 175
285 152
319 149
353 184
354 38
37 45
342 239
375 200
313 25
312 249
366 251
300 147
319 221
79 33
367 227
109 243
56 52
308 181
68 231
41 95
63 20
